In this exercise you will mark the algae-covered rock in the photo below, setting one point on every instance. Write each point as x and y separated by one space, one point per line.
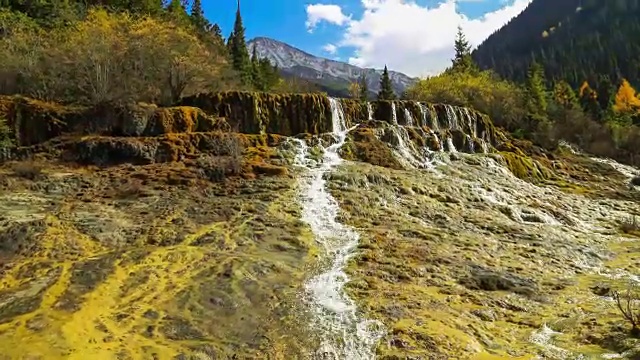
259 113
183 119
144 120
525 167
34 121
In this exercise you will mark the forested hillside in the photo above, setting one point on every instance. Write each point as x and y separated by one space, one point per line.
575 41
88 52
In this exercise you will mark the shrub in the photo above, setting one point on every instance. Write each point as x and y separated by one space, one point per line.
483 91
6 140
130 189
630 225
27 169
627 303
226 158
111 57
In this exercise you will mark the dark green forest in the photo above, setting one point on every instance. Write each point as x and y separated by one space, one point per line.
575 41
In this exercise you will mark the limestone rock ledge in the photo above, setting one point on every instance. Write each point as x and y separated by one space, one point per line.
139 133
36 121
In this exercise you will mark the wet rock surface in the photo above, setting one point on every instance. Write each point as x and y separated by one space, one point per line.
177 246
92 268
480 262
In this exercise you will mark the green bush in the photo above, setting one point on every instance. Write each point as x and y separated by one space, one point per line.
5 135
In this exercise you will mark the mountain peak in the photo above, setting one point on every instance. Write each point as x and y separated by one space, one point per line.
330 73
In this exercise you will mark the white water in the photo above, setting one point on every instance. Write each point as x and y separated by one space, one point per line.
452 118
626 170
343 334
369 111
471 122
432 115
405 150
450 146
543 338
407 115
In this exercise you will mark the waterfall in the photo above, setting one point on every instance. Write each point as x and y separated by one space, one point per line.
369 111
434 119
429 114
405 150
471 122
394 114
408 117
343 334
471 144
452 118
450 146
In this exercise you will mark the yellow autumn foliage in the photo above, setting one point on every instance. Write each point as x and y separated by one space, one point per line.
484 91
354 90
626 101
110 56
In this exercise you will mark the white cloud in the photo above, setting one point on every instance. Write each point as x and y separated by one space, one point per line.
329 13
330 48
414 39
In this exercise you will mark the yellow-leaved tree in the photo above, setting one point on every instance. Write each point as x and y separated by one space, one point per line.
627 103
115 57
484 91
354 90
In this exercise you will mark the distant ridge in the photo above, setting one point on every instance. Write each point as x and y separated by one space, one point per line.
335 76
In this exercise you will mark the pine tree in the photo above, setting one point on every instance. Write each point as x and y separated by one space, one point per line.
229 43
564 95
177 12
147 7
386 90
364 88
238 50
256 76
216 33
269 74
536 90
197 17
589 101
462 62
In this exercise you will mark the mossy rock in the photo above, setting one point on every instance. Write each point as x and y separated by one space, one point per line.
260 113
526 168
183 119
355 111
364 145
34 121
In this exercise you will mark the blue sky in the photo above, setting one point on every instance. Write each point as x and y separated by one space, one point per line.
416 29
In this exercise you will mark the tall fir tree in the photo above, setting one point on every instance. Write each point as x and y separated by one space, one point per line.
216 33
197 17
269 74
177 12
536 90
229 43
386 90
364 88
462 62
256 76
589 101
564 96
238 50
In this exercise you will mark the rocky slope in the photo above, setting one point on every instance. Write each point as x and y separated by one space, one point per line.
334 75
160 233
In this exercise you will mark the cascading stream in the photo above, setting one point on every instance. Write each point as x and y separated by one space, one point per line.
343 334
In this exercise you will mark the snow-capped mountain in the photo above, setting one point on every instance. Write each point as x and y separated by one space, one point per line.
329 73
